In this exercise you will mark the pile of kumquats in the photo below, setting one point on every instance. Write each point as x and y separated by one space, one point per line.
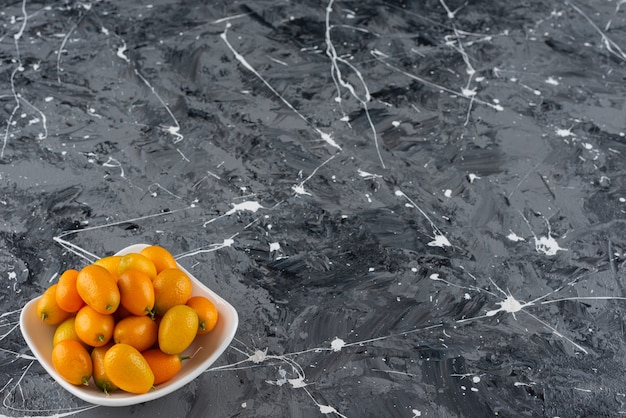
124 320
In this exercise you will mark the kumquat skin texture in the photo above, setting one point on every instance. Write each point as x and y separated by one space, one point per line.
123 322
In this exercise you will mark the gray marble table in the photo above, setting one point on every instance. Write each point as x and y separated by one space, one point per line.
417 208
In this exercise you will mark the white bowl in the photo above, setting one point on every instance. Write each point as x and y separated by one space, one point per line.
206 348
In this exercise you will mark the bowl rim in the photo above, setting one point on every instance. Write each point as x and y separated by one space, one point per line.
227 313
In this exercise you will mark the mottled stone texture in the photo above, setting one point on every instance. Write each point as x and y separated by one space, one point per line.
418 208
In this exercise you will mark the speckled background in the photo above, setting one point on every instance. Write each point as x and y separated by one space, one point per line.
417 208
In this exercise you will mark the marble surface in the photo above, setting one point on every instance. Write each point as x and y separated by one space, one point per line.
417 208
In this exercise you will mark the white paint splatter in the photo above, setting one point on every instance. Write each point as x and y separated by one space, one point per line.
509 305
340 81
440 241
299 189
514 237
121 52
472 177
274 246
552 81
327 409
367 175
227 243
113 163
337 344
447 193
564 132
468 92
381 56
213 247
249 205
174 130
547 245
449 12
283 378
326 137
281 381
297 382
258 356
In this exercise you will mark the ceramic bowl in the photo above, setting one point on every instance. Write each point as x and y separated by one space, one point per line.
206 348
